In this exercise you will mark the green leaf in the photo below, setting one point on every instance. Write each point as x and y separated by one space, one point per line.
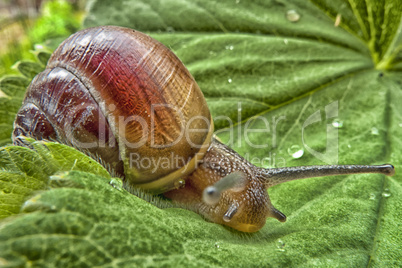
14 86
58 19
265 74
43 57
28 69
42 54
12 91
25 171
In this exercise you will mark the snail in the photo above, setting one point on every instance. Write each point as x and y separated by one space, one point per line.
127 100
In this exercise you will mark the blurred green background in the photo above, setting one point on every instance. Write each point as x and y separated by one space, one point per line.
26 24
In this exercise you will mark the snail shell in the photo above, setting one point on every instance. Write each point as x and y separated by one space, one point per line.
123 96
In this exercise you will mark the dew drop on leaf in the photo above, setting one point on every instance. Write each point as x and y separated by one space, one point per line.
280 245
296 151
374 131
337 123
116 183
292 15
386 193
372 197
230 80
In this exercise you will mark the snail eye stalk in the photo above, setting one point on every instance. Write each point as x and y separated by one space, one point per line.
230 213
235 181
279 175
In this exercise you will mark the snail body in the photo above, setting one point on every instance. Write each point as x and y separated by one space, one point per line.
126 99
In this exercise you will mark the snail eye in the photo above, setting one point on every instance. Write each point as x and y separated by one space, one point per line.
235 181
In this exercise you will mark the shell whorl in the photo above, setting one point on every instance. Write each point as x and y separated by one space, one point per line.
154 108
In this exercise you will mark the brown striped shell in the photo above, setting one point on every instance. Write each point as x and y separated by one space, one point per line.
125 97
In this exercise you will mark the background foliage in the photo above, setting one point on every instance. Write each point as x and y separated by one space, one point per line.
21 28
62 208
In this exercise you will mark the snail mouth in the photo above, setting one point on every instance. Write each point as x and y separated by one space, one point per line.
231 220
247 228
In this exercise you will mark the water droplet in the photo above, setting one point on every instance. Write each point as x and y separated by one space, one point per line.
239 109
374 131
237 1
337 123
280 245
349 146
179 184
292 15
285 41
386 193
229 47
217 245
230 80
296 151
400 125
116 183
372 196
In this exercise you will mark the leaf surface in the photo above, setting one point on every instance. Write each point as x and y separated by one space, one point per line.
265 74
